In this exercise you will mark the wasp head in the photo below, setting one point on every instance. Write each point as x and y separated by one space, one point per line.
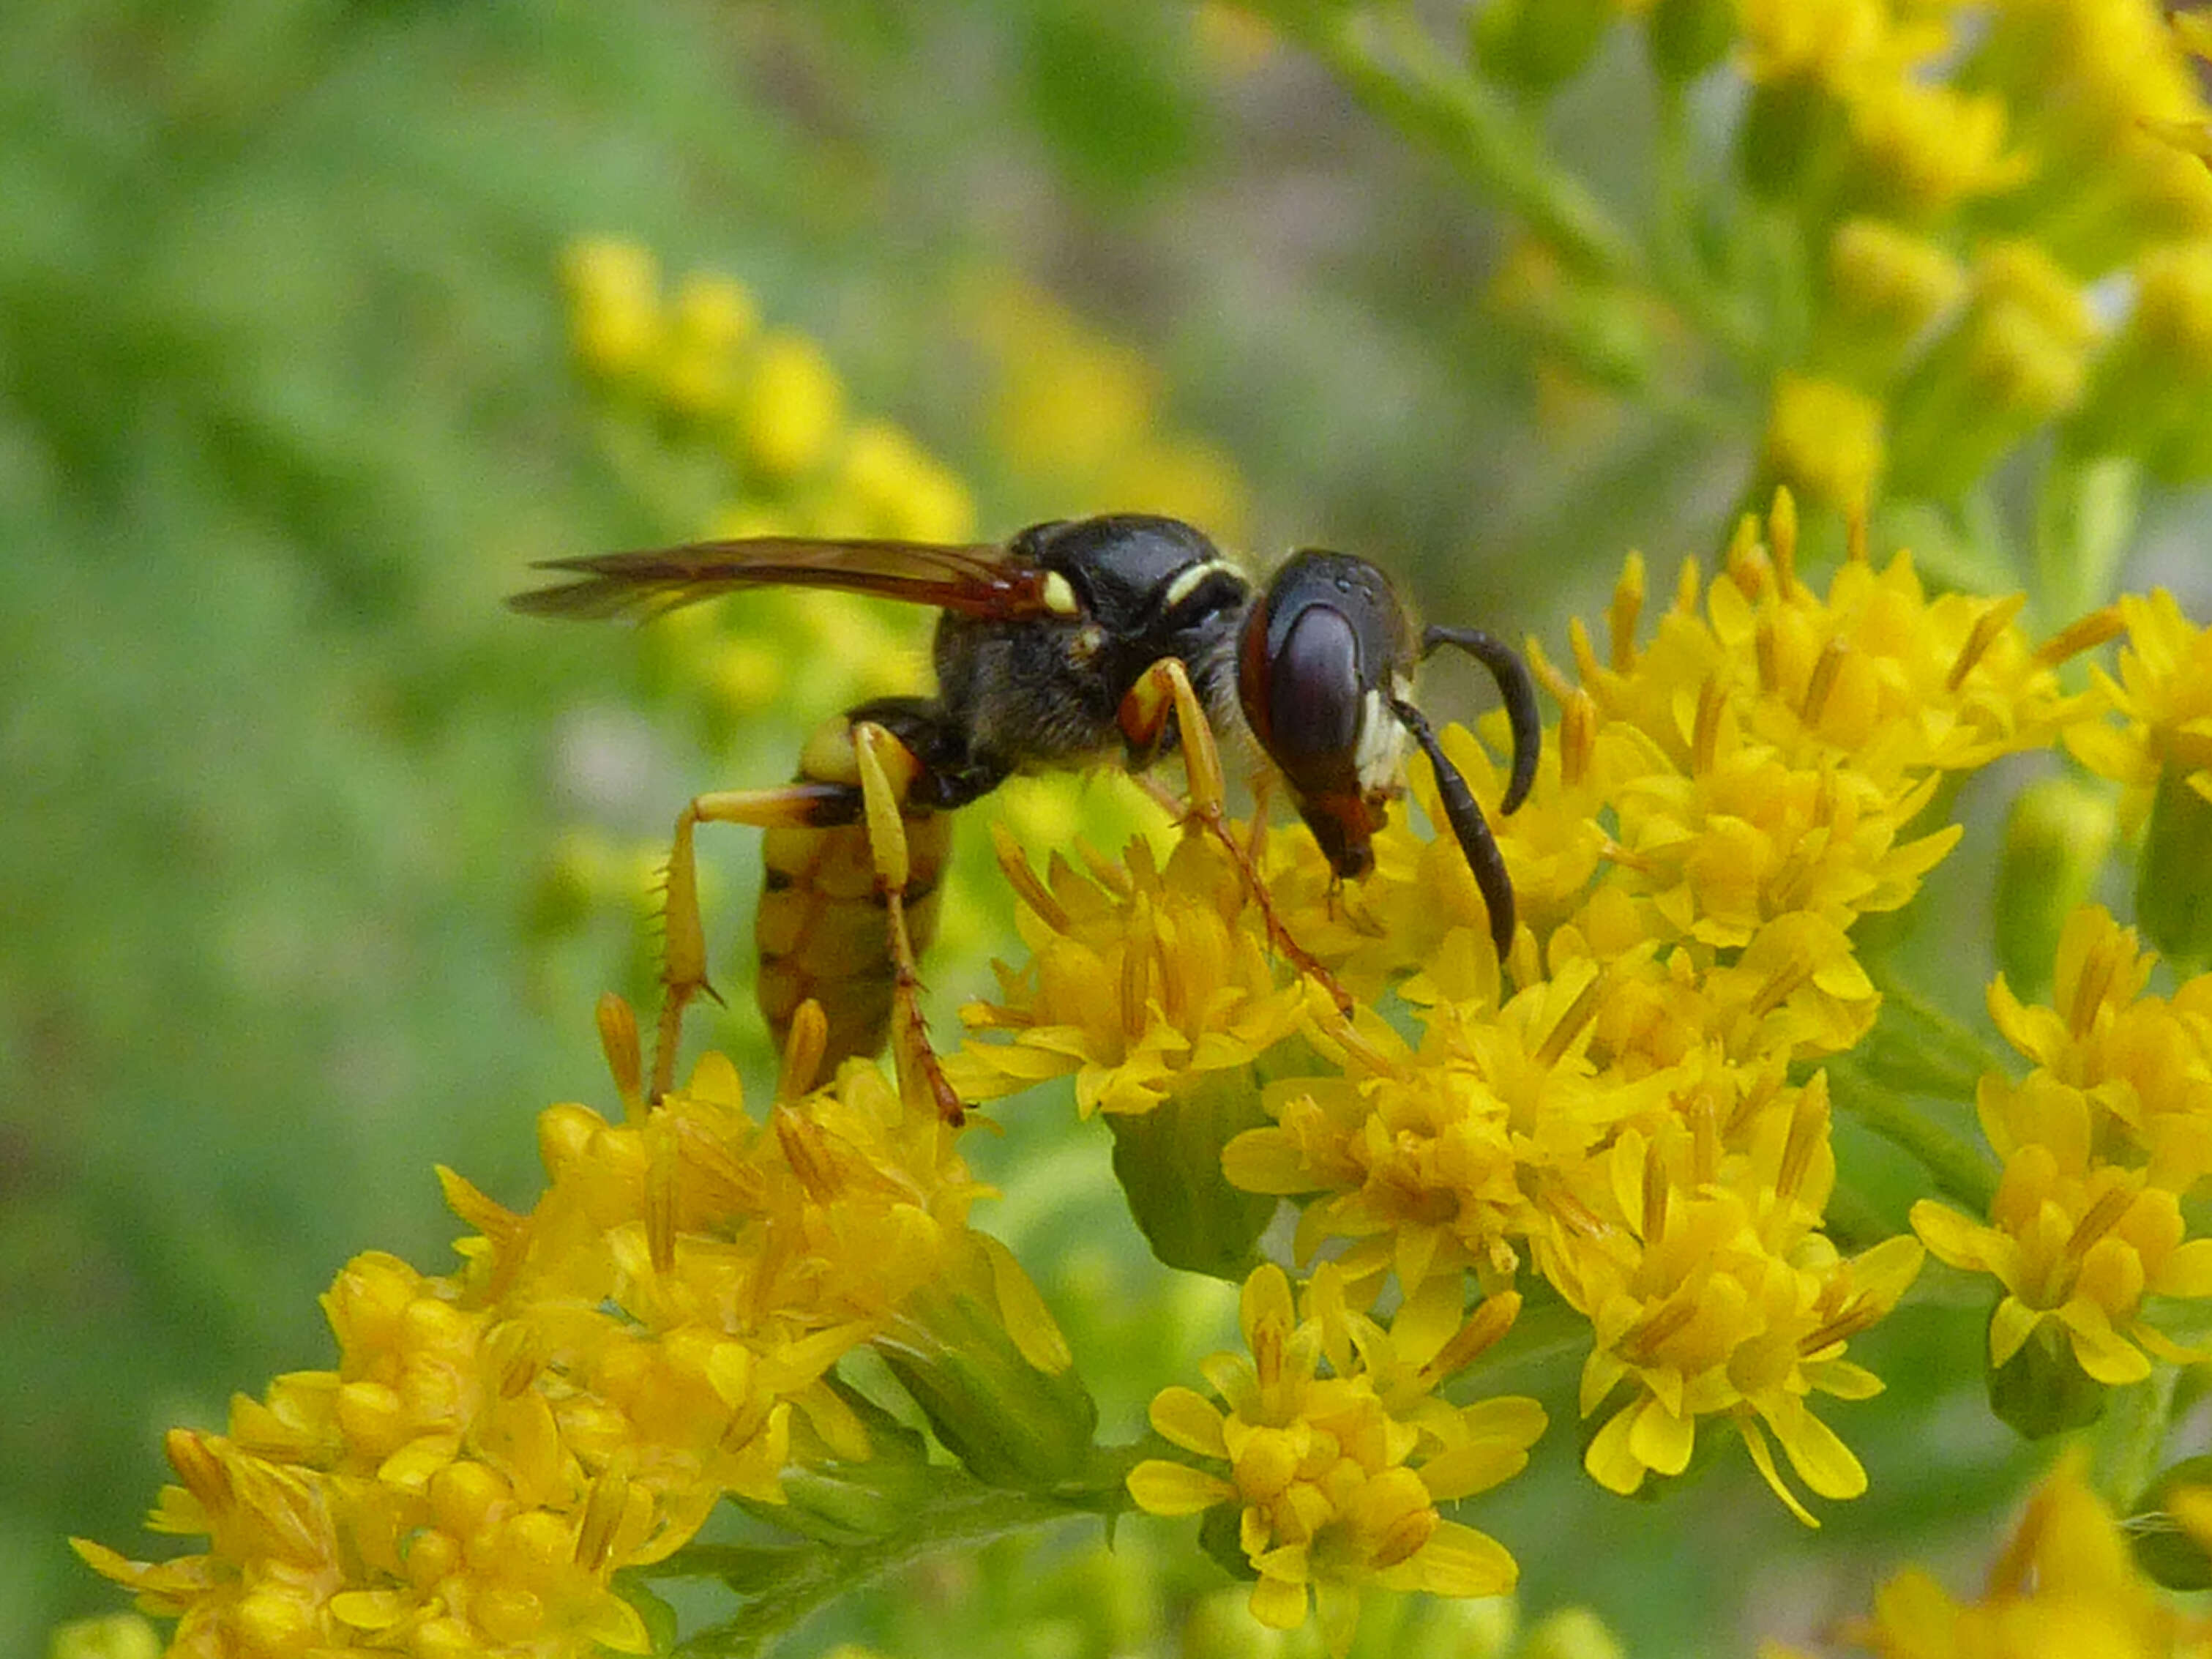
1323 661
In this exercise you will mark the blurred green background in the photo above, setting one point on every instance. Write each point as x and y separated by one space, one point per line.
286 408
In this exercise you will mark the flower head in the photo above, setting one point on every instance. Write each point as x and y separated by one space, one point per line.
1338 1454
658 1331
1711 1295
1145 979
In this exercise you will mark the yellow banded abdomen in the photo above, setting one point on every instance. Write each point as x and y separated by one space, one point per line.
822 930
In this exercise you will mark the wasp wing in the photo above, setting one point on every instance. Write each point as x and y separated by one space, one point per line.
977 580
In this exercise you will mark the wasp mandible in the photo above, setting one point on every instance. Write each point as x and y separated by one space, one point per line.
1077 643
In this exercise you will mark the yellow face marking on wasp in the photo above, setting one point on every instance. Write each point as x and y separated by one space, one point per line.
1382 745
1188 583
1059 596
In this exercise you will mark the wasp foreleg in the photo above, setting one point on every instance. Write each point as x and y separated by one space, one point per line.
1163 691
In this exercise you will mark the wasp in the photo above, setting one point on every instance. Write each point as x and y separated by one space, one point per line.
1077 643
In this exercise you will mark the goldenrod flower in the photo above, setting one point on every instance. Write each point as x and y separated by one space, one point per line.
1145 980
2165 758
614 294
1077 414
2164 693
1925 147
2076 1244
788 407
1837 43
711 320
1711 1295
1426 1162
656 1332
1335 1481
1886 285
2100 1143
2096 81
2017 356
1824 439
900 492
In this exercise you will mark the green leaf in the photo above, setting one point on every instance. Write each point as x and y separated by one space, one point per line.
779 1587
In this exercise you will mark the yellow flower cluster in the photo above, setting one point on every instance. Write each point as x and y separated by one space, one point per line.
770 403
658 1332
1718 808
2162 753
1337 1450
2102 1142
2165 694
1950 182
1143 979
694 374
1910 139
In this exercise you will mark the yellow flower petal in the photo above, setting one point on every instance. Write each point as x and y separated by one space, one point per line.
1188 1419
1278 1603
1163 1488
1458 1560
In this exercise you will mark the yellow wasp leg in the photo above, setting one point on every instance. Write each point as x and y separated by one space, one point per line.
683 953
1165 688
922 1082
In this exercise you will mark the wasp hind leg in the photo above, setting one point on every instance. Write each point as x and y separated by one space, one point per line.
888 770
1164 690
883 770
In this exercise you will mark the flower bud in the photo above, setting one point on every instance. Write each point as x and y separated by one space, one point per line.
614 321
1687 37
789 408
1168 1163
2168 1550
846 1504
2042 1389
2016 358
1885 286
2056 839
2173 882
117 1635
1824 440
2148 393
1011 1423
1538 45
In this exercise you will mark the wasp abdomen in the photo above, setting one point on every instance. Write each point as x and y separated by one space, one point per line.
822 928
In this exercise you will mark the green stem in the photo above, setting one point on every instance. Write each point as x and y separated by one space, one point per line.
1474 124
2131 1440
1920 1046
782 1585
1958 1167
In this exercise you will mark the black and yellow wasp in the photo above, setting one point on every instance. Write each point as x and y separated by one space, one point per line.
1077 643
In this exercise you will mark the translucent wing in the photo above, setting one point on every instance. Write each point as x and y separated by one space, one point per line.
978 579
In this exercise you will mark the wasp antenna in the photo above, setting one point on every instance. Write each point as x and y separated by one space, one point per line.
1514 685
1468 826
